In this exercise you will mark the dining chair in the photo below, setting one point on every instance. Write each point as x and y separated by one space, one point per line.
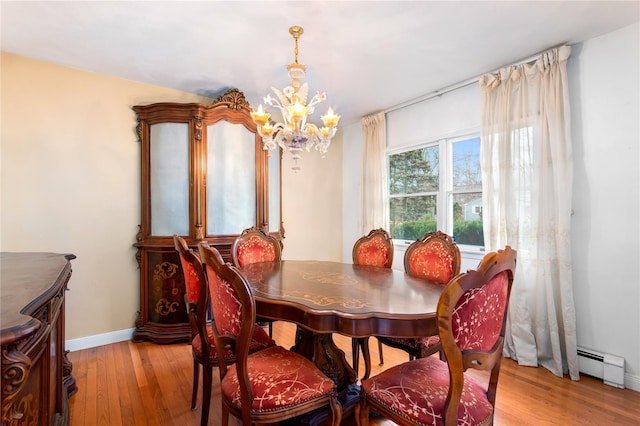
197 302
373 249
268 386
255 245
471 316
434 257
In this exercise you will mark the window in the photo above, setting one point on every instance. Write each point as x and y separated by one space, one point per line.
437 186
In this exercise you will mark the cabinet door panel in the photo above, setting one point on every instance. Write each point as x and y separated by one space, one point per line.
169 178
231 179
166 288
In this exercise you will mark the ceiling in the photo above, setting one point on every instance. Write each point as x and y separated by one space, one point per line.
367 56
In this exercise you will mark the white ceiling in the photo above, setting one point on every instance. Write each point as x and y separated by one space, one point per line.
366 56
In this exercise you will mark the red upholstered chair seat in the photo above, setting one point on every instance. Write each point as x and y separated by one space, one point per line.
415 343
268 386
417 391
196 298
279 378
471 317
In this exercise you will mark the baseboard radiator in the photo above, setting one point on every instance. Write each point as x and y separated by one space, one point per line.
609 368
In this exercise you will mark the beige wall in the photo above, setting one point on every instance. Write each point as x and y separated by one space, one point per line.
312 205
70 169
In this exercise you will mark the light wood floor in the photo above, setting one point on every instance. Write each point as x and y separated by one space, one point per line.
131 384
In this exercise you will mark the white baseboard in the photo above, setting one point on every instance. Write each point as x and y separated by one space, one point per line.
99 340
632 381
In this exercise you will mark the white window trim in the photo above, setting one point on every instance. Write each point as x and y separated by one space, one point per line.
444 220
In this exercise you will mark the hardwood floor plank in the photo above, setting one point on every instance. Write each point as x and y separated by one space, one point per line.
153 391
121 354
91 413
114 399
151 385
102 388
77 410
177 360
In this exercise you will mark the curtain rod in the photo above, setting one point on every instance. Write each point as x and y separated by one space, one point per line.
458 85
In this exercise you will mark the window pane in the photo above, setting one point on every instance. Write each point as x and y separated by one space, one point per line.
467 219
412 217
466 165
414 171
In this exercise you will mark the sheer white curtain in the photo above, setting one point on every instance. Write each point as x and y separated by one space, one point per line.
527 188
375 187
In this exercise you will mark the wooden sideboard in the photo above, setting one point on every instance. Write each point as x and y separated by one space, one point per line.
36 373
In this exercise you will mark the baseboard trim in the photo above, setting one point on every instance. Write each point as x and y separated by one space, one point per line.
99 340
632 381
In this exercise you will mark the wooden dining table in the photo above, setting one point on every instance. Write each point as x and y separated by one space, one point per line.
323 298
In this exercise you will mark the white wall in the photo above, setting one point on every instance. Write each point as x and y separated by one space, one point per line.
604 79
450 114
312 205
351 188
604 76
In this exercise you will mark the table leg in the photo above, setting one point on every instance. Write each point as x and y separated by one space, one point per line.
322 350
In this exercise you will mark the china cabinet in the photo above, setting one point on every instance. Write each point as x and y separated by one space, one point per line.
205 177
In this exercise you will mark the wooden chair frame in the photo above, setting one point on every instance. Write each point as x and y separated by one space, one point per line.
428 238
199 319
459 361
239 345
277 245
362 343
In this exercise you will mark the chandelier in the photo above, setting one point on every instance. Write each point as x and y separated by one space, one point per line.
296 132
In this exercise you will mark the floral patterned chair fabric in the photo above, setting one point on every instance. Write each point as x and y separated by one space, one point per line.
197 303
373 249
434 257
254 245
471 317
267 386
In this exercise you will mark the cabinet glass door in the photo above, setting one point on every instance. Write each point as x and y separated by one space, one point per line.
231 179
169 178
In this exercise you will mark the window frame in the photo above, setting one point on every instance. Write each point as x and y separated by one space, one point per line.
444 194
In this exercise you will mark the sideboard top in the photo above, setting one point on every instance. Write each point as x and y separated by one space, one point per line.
27 281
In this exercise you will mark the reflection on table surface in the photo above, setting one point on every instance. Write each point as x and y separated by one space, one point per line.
350 299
